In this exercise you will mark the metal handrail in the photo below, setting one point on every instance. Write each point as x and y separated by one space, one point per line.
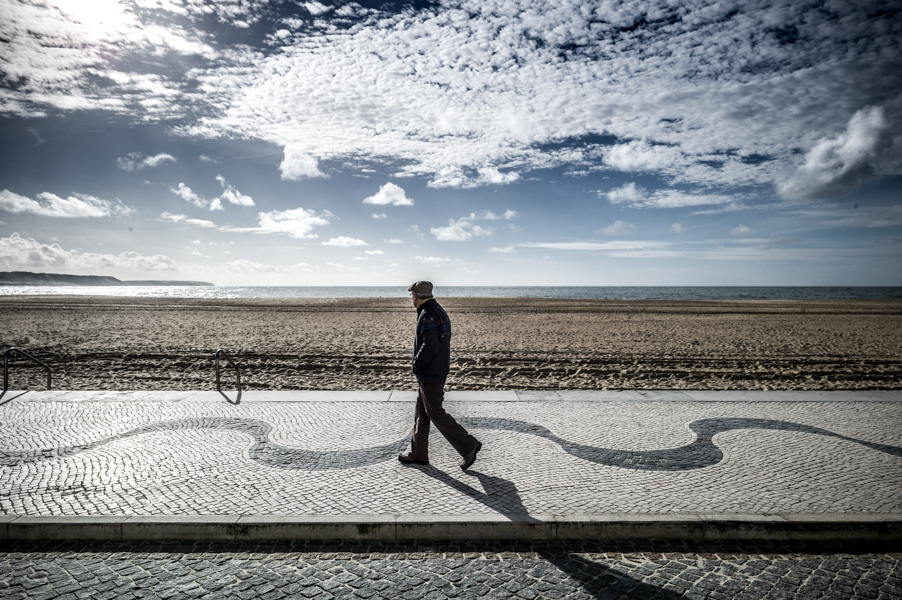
234 366
26 355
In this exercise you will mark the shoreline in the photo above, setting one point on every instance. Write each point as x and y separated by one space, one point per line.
615 293
139 343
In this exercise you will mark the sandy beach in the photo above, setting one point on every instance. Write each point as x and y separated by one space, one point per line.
509 343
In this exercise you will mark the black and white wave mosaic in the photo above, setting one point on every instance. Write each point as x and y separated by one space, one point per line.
702 452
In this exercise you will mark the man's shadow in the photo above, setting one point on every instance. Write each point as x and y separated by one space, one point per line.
603 582
500 494
598 580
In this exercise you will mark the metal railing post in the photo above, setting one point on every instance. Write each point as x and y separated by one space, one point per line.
234 366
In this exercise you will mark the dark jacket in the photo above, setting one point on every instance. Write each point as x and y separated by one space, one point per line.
431 361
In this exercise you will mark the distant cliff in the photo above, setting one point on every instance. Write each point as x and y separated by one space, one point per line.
26 278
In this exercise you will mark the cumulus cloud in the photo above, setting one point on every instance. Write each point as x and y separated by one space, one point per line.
344 242
232 195
51 205
491 216
229 194
374 252
60 55
393 241
618 228
492 175
833 165
462 229
740 230
639 197
460 177
135 161
186 194
298 163
642 156
458 231
296 222
389 194
467 93
380 216
316 9
503 250
629 193
677 228
17 252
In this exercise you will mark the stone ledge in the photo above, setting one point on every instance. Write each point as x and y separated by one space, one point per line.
689 527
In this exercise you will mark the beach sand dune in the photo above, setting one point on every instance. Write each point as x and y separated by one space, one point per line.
508 343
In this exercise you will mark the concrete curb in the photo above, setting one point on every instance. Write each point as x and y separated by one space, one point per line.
662 395
690 527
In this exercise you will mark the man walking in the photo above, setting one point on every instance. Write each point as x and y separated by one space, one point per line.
431 364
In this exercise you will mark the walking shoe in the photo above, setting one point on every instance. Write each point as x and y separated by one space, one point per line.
470 458
408 459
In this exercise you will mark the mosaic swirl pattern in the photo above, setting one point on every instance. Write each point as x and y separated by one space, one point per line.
700 453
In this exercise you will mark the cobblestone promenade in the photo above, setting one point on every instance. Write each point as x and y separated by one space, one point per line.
103 455
545 453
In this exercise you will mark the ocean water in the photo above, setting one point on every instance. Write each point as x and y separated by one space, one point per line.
563 292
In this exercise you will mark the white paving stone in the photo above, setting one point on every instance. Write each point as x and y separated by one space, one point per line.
462 396
297 396
864 396
289 453
621 395
789 396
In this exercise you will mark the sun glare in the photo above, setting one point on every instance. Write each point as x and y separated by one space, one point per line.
94 14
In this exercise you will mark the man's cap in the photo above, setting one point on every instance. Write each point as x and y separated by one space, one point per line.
421 288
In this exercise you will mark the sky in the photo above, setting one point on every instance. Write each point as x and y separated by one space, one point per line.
467 142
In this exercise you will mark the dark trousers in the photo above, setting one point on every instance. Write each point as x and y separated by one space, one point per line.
429 409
